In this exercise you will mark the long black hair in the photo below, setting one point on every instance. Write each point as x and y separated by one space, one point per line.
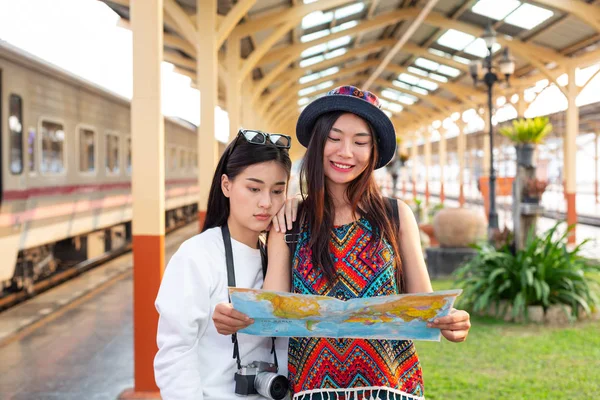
238 155
363 193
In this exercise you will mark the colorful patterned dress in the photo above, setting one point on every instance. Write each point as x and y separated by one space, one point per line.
325 368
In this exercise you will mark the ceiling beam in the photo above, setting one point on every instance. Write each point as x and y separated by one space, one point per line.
298 86
182 21
394 50
262 84
271 20
459 90
376 23
251 62
527 51
179 61
437 101
343 73
588 13
233 17
423 52
586 59
349 55
370 14
178 43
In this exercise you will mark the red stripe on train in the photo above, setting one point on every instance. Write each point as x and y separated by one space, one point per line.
13 195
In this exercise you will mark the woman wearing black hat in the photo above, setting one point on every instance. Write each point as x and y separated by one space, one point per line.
348 247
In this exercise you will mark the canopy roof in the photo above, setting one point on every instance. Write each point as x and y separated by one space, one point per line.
414 56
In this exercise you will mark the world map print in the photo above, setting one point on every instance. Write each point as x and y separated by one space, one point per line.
385 317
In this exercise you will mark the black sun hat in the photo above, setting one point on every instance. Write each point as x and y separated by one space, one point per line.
353 100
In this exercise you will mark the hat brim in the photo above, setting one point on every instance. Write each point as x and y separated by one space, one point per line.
385 134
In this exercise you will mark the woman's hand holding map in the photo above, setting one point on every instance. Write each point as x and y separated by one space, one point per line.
454 326
228 320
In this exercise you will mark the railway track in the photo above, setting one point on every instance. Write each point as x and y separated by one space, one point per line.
56 279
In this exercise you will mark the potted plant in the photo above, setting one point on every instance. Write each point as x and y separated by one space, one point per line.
526 133
403 157
417 209
534 188
544 273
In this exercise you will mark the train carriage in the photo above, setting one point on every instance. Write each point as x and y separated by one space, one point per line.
65 181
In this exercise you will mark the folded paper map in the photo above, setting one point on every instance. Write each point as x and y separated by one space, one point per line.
386 317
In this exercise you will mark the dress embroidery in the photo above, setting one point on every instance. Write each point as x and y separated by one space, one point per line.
323 368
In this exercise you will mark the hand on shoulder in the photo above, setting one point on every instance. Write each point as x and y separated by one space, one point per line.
286 216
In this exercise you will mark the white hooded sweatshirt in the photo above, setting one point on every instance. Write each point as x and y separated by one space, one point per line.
194 362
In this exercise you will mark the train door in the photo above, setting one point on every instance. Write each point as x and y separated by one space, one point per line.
1 138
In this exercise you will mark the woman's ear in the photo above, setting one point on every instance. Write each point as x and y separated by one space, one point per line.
225 185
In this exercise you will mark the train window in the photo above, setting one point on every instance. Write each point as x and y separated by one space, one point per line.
15 125
31 149
128 161
182 159
112 154
194 161
172 158
53 146
87 152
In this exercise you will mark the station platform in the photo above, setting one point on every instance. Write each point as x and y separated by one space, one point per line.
588 211
75 341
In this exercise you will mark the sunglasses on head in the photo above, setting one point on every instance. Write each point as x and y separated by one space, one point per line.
258 137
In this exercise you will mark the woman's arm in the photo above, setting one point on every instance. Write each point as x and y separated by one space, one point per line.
455 326
414 268
279 271
183 303
228 320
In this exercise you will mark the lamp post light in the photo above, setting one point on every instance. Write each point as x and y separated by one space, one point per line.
506 67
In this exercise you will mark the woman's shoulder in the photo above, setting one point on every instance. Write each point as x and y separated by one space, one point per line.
400 204
205 242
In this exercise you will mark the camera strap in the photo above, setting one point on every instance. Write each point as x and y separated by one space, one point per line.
231 283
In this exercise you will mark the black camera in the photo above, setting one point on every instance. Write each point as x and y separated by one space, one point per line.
261 377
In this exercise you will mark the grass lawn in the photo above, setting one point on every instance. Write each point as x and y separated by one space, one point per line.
511 361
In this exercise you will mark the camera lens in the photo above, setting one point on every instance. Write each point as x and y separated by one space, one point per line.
271 386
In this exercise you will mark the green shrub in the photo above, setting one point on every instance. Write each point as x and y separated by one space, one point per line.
434 210
531 130
543 273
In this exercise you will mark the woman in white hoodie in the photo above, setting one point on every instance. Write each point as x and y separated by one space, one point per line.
248 189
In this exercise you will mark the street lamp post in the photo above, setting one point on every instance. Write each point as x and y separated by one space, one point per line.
507 68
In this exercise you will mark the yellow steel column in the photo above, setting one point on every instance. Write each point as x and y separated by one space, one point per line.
521 105
427 151
472 152
571 151
596 167
486 169
234 87
206 70
415 153
148 188
486 144
403 172
443 161
247 108
460 153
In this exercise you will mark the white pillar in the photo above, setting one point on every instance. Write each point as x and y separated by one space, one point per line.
234 92
415 154
571 151
461 142
206 70
147 185
427 153
443 156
